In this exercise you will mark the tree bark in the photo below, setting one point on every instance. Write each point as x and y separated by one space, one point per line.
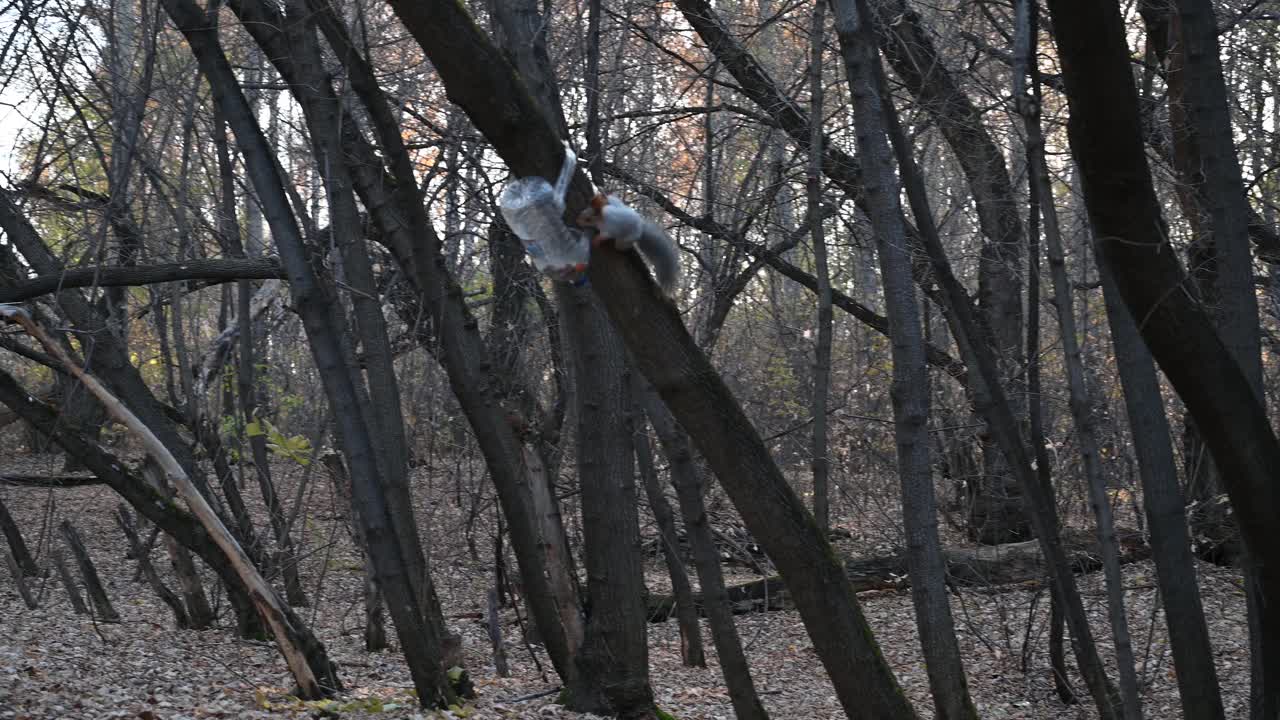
822 352
1198 96
17 546
691 652
480 80
1130 235
706 559
996 512
992 403
449 332
213 270
97 593
125 520
19 579
69 582
910 384
613 662
1041 204
1165 511
324 331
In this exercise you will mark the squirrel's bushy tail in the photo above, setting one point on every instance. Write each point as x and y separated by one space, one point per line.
663 257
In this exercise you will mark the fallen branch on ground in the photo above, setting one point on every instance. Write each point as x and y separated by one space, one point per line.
969 566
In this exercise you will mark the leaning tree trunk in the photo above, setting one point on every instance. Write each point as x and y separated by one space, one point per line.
305 657
996 512
1106 140
104 611
706 559
1207 140
910 389
691 652
17 546
451 335
324 330
992 403
480 79
1165 511
1041 203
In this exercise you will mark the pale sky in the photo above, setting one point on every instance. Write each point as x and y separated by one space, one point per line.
12 125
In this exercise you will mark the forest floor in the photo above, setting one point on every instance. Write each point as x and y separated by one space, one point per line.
56 664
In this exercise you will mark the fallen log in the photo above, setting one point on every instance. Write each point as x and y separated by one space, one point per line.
967 566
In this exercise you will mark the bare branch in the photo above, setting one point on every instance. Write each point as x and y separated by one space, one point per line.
217 270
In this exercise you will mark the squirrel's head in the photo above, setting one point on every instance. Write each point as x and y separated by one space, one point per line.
594 212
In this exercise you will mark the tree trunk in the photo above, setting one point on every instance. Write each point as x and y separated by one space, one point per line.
19 579
613 663
97 593
992 403
1041 204
997 512
480 80
691 652
822 352
125 520
1197 87
1106 140
1165 512
910 388
69 582
324 330
17 546
199 613
706 559
452 337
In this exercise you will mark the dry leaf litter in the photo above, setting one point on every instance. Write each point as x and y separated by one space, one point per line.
56 664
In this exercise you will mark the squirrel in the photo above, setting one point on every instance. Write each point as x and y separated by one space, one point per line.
614 220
